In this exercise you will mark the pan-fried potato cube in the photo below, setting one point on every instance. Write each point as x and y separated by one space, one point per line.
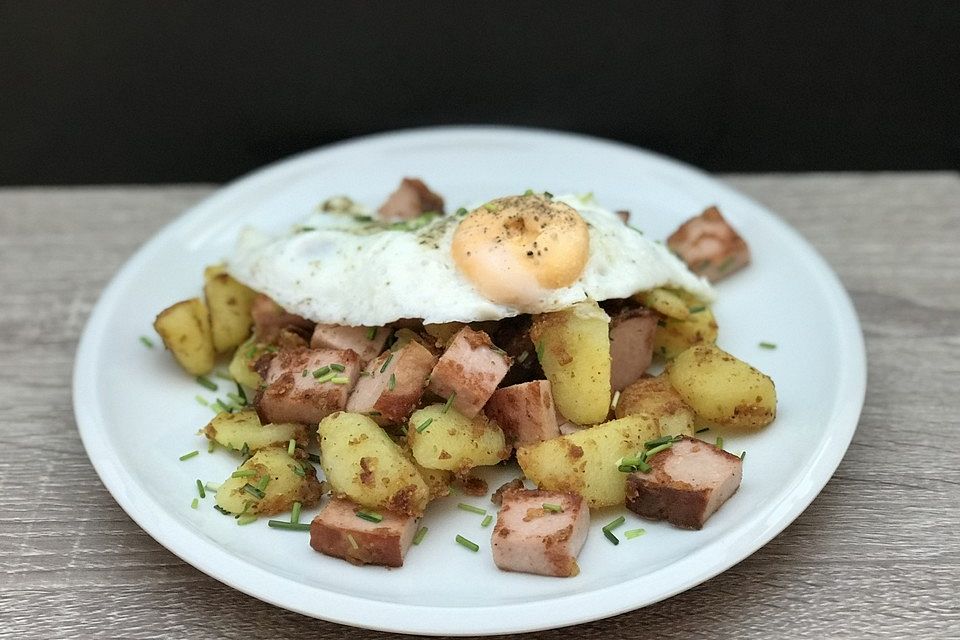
667 302
657 398
453 442
674 336
723 390
361 462
185 329
284 488
443 331
229 303
241 365
574 349
585 462
233 430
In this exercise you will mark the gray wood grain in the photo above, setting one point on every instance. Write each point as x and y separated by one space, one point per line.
876 555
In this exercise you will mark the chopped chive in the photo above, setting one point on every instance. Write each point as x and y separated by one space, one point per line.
613 524
353 543
203 401
304 374
295 514
220 407
200 490
373 414
245 450
187 456
449 403
211 445
211 486
461 211
612 538
472 509
291 526
528 192
633 533
554 508
423 425
252 351
697 309
291 447
372 333
336 366
523 356
719 442
743 454
369 516
322 371
629 465
702 430
245 520
340 380
312 457
548 195
386 363
540 350
195 504
768 345
207 382
420 535
616 400
147 342
242 394
650 444
652 452
327 377
490 206
254 491
473 546
237 400
243 473
393 382
222 510
223 376
726 264
264 481
487 519
297 469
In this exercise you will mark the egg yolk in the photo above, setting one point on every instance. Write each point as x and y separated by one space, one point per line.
515 249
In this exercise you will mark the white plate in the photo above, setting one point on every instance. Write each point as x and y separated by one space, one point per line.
136 410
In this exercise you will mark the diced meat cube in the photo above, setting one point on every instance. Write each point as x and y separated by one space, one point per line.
531 539
269 319
525 412
367 342
471 368
688 483
710 246
392 384
411 198
339 532
631 345
305 385
512 485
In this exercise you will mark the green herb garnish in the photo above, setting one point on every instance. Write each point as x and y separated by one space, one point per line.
369 516
187 456
472 509
420 535
473 546
207 382
147 342
290 526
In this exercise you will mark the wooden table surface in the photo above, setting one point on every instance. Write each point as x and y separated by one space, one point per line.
876 555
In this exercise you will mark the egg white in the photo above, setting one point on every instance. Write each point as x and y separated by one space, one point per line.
339 268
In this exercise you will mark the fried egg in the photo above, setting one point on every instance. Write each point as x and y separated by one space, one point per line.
517 254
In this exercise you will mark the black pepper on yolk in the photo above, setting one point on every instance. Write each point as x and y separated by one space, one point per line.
517 248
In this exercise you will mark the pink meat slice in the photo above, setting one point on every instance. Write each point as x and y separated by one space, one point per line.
469 370
530 539
525 412
688 483
294 394
631 345
339 532
411 199
367 342
710 246
391 386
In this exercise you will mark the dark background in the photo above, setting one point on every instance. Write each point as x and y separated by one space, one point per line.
168 91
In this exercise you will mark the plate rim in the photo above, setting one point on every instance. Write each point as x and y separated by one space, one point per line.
214 561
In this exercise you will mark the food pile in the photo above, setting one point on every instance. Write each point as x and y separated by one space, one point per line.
411 347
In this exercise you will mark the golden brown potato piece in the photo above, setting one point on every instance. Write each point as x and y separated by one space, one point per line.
669 303
657 398
284 487
674 336
229 303
574 348
453 442
361 462
586 462
233 430
723 390
185 329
